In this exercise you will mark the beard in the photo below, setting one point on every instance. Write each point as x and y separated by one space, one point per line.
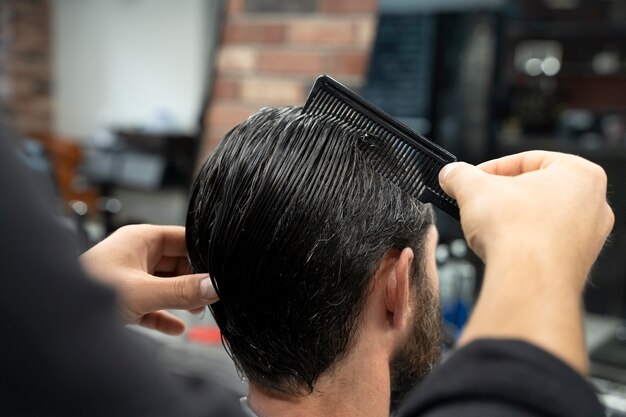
422 351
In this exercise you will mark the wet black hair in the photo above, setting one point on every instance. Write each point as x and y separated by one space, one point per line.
291 223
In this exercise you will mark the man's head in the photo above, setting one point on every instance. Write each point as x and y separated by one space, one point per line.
297 232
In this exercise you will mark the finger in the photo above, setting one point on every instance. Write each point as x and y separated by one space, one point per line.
171 266
163 322
520 163
166 264
173 241
460 180
165 241
181 292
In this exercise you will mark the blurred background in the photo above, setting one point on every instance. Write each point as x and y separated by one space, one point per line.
117 102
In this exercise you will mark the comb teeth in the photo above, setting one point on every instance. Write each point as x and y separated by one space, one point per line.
398 153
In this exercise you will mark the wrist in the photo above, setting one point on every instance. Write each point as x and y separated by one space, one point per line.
544 265
529 294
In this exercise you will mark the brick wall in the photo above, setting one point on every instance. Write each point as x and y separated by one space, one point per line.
271 51
25 75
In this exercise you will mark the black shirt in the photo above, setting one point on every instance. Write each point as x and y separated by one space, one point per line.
64 353
506 378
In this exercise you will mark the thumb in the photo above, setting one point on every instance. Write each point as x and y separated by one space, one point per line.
182 292
460 180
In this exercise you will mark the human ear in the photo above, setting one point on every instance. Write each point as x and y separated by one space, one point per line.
398 285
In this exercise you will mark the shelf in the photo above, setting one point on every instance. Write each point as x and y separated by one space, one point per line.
565 30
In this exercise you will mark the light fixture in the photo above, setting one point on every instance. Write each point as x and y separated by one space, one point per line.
533 67
550 66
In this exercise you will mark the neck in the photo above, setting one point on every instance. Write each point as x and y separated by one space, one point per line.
358 385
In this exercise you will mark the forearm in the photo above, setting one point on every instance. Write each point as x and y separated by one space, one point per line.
525 296
63 351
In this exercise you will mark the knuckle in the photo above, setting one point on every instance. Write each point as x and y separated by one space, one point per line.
128 229
476 245
140 232
610 216
598 174
181 291
136 227
601 174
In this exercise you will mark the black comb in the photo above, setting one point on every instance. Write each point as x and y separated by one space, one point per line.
396 151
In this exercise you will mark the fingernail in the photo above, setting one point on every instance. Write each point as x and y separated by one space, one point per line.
206 289
445 171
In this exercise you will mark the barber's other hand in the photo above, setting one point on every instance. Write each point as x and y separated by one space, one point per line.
538 220
148 267
545 202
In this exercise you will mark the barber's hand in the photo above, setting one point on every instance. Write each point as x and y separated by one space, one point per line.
538 220
546 202
148 267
